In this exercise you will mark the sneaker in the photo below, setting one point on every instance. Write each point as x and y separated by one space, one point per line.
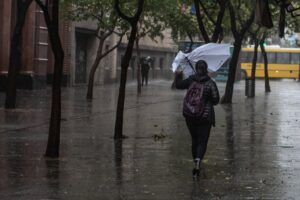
197 162
196 174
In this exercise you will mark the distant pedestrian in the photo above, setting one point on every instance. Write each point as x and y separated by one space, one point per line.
198 109
145 67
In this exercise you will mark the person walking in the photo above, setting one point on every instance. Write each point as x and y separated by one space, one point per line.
198 109
145 67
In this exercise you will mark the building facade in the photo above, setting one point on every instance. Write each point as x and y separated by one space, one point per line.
80 47
37 60
84 46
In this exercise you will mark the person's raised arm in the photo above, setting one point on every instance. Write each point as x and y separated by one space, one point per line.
180 83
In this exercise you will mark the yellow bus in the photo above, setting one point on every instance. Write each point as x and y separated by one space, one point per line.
283 62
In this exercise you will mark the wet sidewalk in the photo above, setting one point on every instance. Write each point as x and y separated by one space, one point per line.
253 152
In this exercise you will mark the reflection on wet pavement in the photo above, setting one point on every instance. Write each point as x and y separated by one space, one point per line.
253 151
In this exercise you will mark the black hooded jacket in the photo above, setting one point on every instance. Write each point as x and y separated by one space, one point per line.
211 95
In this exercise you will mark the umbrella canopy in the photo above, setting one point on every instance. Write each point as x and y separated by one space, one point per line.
214 54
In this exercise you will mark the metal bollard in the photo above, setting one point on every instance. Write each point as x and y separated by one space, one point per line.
249 90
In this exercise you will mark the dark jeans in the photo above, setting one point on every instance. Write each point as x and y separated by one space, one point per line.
145 78
200 134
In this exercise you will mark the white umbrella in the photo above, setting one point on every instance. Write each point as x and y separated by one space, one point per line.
214 54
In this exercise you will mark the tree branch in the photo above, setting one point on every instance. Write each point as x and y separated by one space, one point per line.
248 23
233 20
191 39
200 22
42 6
45 9
206 12
139 10
120 13
218 26
113 48
107 34
97 17
47 4
135 18
27 3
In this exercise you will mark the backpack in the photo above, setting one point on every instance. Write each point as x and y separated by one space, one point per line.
193 104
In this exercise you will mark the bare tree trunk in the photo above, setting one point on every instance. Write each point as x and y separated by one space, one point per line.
118 159
227 98
200 22
282 22
253 70
100 55
138 71
52 22
238 37
125 64
191 42
54 129
264 53
15 57
217 35
122 90
93 70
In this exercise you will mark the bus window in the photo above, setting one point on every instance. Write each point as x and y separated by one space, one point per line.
244 56
260 58
271 57
295 58
283 58
249 57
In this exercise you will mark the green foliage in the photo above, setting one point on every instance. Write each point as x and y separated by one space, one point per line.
181 24
212 8
151 23
101 12
185 25
153 20
292 23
